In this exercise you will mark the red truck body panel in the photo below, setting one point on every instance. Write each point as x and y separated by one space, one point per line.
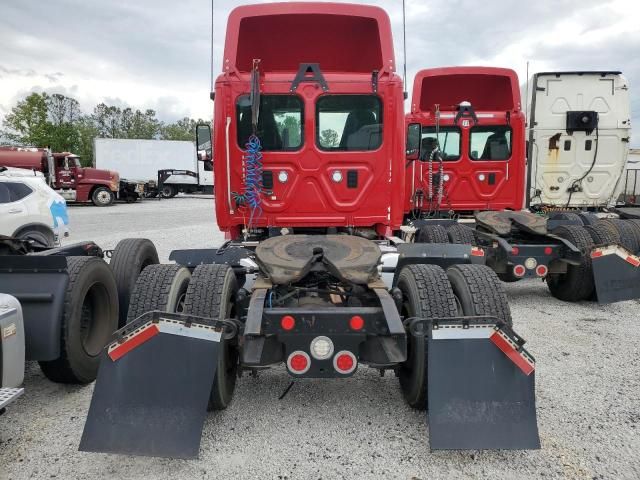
349 43
475 179
30 159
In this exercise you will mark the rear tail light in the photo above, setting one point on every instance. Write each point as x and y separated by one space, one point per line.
542 270
356 323
519 270
298 362
287 322
345 362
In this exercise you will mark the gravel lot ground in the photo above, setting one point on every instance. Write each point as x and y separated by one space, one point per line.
588 393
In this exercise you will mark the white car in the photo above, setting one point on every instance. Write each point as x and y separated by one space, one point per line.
30 209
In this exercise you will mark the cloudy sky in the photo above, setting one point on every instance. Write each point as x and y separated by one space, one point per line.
156 53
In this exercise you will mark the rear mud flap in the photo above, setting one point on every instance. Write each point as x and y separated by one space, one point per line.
152 389
481 388
616 274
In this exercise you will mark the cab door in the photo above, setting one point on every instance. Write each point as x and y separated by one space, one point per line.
64 174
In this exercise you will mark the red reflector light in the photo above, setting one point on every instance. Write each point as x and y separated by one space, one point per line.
287 322
541 270
548 250
477 252
596 254
519 270
298 362
356 322
345 362
515 250
633 260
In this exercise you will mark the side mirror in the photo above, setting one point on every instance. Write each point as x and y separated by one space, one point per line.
203 141
413 141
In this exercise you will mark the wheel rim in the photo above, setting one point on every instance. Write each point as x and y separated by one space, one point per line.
180 302
94 320
167 191
103 197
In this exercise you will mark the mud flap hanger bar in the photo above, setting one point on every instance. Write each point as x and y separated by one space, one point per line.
228 328
503 336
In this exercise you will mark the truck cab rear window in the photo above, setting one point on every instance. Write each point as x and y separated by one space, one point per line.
447 137
490 143
280 122
349 122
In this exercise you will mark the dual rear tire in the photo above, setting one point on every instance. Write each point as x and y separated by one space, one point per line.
429 292
210 292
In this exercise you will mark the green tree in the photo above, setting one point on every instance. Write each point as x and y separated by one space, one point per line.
115 122
289 128
87 132
107 120
27 123
63 114
329 138
183 129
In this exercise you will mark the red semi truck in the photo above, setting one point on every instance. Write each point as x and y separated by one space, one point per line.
310 171
65 174
474 114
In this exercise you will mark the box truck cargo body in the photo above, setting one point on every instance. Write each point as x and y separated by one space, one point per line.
144 159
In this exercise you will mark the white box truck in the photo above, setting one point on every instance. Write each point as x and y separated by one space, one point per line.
578 139
174 165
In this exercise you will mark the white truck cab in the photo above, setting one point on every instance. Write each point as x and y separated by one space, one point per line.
578 138
30 209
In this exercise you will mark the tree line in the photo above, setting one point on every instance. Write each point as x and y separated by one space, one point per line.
57 121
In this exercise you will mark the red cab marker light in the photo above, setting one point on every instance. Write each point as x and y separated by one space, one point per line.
635 261
287 322
356 323
298 362
548 250
345 362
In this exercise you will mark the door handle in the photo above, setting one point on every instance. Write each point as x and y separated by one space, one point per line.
15 210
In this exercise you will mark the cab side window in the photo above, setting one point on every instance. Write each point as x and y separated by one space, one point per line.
490 143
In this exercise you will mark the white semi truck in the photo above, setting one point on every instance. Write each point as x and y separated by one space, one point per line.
174 165
578 139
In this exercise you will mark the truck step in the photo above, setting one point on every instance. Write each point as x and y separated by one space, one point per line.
9 395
